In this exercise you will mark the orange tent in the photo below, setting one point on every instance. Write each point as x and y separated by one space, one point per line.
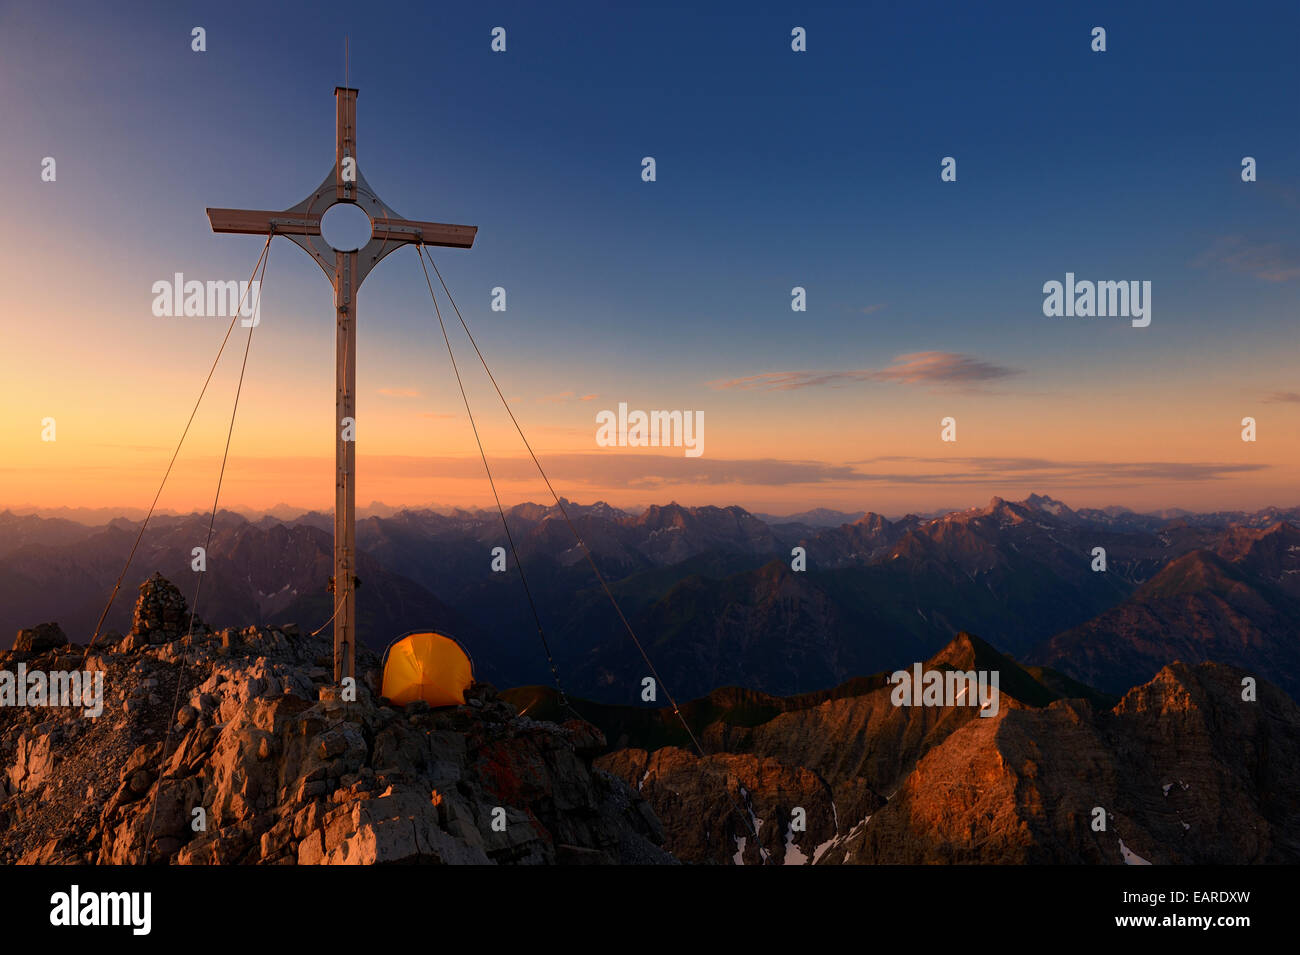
426 666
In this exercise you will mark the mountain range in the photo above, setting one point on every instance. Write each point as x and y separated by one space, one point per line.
712 593
1180 770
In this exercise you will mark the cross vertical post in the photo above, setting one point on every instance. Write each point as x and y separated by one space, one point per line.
345 406
345 464
346 270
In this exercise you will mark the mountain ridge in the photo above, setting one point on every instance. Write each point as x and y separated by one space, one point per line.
714 586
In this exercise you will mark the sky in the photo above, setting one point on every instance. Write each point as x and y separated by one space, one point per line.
773 169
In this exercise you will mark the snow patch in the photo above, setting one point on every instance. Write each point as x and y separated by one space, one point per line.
837 839
821 849
1131 857
793 855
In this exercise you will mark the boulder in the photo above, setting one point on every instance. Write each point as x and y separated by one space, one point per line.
42 637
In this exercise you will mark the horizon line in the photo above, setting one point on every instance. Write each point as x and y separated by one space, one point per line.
287 512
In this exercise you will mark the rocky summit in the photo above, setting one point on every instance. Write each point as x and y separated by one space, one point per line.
185 745
263 762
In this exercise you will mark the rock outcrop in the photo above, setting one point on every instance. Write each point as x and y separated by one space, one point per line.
736 808
42 637
1185 769
265 762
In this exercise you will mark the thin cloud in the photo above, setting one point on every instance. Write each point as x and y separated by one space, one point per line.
1283 397
649 470
788 380
1067 472
1269 261
400 392
565 396
940 368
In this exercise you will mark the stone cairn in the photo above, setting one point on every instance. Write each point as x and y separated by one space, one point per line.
161 614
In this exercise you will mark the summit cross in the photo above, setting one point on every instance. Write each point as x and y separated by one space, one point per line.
346 270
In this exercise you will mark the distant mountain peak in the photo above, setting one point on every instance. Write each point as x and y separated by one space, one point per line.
1049 504
872 519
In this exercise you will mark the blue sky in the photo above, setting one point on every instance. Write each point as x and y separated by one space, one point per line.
775 169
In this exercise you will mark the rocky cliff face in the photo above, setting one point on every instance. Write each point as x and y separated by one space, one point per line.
264 763
1184 768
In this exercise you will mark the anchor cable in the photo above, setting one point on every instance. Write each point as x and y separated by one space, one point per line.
555 673
337 608
198 585
176 453
586 551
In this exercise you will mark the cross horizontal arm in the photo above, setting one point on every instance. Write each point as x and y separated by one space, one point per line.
392 231
429 233
260 222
